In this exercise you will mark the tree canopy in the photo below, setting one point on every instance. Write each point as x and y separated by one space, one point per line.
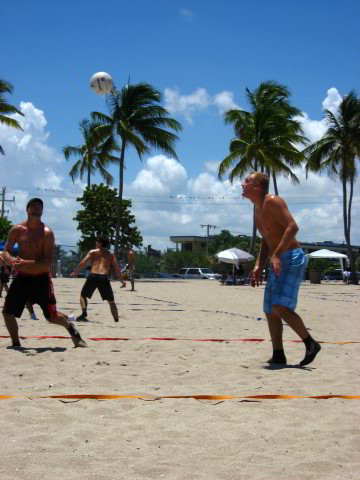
6 109
99 218
5 226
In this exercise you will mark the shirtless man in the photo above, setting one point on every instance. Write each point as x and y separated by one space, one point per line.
287 266
101 260
33 281
131 269
4 275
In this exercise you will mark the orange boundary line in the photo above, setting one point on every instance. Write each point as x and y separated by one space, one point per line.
196 397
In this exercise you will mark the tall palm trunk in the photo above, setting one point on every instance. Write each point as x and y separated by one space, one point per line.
347 228
121 187
275 183
88 177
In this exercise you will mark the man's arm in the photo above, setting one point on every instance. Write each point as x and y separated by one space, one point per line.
259 264
82 264
263 255
7 254
278 208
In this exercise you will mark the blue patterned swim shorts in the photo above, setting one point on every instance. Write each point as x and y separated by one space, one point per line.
283 290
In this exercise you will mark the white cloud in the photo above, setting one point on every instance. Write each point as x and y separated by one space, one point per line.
224 101
187 14
32 167
212 166
186 105
315 129
198 101
332 100
167 199
160 176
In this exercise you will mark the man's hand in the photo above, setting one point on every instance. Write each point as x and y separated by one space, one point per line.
21 262
72 274
275 264
255 277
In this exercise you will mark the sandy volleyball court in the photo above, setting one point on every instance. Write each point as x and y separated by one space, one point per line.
182 438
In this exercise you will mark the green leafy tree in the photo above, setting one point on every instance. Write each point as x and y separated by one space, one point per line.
7 109
146 264
337 153
174 261
225 240
5 226
137 117
94 155
357 263
265 137
99 218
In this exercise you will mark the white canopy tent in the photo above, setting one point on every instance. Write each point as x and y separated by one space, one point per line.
234 256
324 253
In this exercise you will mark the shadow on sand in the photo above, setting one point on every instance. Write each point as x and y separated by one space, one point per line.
37 350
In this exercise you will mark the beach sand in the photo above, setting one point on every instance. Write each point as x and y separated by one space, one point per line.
182 438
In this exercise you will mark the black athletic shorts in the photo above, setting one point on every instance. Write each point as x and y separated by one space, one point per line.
102 283
4 277
36 288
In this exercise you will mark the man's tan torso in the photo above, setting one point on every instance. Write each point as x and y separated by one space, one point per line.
31 243
270 228
131 260
100 261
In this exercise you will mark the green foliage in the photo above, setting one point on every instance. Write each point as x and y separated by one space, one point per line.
265 136
137 117
94 155
225 240
173 261
99 218
146 264
6 109
5 226
357 263
337 153
322 264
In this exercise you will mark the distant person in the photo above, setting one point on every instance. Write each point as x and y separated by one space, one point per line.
5 272
101 260
33 281
287 265
130 267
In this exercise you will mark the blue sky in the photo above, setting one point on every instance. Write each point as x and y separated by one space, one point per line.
201 56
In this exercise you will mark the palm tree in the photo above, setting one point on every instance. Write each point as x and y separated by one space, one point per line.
337 152
6 108
265 137
94 154
140 121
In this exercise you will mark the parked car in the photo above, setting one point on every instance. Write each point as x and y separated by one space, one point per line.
200 272
333 275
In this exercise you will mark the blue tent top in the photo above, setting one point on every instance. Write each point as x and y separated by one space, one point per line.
15 249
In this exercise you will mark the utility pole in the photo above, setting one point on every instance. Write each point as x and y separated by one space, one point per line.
3 200
207 239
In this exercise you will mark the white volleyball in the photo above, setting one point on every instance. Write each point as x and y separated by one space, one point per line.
101 83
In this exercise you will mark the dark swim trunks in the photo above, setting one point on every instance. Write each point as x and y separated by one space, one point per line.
4 277
38 288
100 282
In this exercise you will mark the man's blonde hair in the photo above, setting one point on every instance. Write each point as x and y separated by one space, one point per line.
262 179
